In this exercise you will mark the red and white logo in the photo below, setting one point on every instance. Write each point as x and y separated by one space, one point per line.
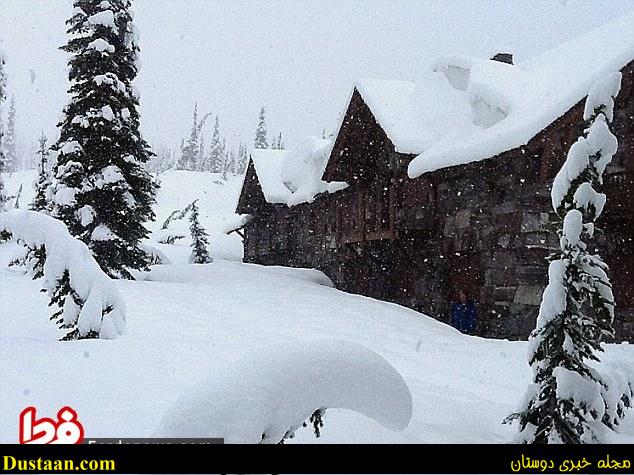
66 430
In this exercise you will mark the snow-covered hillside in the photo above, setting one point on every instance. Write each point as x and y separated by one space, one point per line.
184 320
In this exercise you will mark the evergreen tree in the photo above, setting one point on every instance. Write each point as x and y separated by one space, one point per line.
280 144
201 159
40 200
232 166
189 150
260 131
192 149
243 158
102 190
570 400
200 241
2 158
10 150
216 157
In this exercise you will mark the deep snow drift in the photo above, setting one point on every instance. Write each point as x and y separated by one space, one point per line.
268 396
184 321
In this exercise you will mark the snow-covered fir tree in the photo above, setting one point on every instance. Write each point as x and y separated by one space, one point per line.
189 150
231 165
243 158
280 143
260 131
9 143
102 190
41 199
570 400
200 238
201 158
216 157
192 149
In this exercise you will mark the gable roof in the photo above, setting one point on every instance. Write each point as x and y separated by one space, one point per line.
464 109
268 167
511 104
390 104
289 177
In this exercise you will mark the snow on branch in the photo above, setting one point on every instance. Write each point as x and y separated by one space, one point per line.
572 399
270 394
90 304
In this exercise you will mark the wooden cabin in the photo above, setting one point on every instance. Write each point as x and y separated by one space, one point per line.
419 221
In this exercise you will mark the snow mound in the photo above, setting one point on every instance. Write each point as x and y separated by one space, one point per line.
103 310
271 393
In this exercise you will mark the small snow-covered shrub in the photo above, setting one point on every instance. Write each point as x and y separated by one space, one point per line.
268 395
86 301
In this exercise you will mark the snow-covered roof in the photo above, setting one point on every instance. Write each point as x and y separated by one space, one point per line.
390 104
293 176
268 167
509 104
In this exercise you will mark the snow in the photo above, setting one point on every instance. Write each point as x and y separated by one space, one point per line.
268 167
217 201
86 215
70 147
64 195
236 222
303 167
111 79
510 104
271 392
103 310
108 175
102 233
573 226
185 321
294 177
390 103
101 45
106 113
603 93
554 296
103 18
599 142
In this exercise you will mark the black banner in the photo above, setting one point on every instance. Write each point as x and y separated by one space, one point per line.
326 459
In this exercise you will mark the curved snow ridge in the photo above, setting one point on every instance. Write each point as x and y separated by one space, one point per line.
103 310
271 393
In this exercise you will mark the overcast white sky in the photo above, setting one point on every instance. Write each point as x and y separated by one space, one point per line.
296 57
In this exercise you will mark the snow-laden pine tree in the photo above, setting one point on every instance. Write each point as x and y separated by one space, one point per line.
3 85
260 131
200 241
243 159
191 158
102 189
9 144
570 400
215 149
201 158
41 199
280 143
189 150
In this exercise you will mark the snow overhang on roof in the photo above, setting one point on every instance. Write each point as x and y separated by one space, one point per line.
509 105
294 177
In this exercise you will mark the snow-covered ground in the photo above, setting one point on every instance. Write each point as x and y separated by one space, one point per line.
184 320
